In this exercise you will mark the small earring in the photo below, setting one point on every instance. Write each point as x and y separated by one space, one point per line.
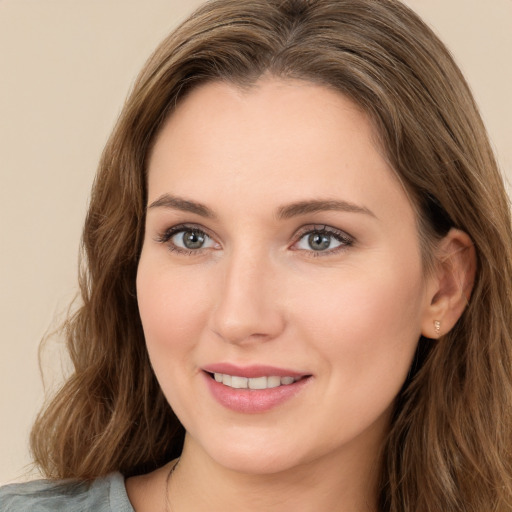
437 326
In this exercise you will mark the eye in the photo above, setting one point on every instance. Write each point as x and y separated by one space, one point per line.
186 239
190 239
323 239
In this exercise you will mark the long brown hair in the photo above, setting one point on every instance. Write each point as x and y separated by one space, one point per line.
449 448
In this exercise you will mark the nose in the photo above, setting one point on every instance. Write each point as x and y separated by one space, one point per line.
248 307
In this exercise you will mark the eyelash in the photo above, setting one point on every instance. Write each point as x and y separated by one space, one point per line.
165 238
343 238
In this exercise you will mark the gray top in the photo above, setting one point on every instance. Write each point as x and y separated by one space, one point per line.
106 494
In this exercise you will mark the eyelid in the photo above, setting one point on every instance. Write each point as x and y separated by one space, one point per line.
164 237
345 238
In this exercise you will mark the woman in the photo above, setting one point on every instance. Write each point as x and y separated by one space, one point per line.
296 290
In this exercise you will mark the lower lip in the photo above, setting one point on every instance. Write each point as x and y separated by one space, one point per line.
253 401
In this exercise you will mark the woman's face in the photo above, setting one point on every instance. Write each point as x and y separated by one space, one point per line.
279 247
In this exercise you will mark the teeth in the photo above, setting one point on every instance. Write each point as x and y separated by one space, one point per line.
236 382
273 382
258 383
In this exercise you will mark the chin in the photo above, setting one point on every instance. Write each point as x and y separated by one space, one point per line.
260 463
256 456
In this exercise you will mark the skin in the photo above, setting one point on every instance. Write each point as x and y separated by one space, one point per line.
257 293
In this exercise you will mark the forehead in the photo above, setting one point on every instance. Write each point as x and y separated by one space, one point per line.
279 139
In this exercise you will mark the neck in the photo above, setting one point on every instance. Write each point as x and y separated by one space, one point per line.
200 483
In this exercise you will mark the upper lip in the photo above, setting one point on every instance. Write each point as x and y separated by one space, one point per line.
251 371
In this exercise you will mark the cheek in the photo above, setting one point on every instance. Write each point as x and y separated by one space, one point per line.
172 308
367 324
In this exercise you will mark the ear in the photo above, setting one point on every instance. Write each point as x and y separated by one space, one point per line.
449 286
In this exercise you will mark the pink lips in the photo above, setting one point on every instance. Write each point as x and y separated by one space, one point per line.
251 371
252 401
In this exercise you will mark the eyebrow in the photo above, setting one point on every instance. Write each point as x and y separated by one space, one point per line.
315 206
283 212
185 205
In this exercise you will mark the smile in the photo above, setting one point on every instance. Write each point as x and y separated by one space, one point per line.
258 391
236 382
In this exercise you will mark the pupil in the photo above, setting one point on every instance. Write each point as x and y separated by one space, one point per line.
319 242
193 240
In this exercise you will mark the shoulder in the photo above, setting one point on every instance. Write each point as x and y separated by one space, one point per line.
106 494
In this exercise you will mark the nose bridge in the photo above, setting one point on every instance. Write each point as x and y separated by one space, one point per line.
247 305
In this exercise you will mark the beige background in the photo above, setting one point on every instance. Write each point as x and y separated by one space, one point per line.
65 69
